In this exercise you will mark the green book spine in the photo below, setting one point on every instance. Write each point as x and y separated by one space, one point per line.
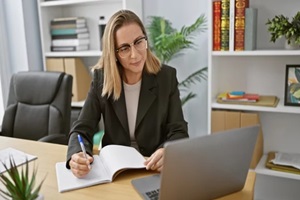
225 15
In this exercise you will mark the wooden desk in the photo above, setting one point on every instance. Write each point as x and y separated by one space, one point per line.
49 154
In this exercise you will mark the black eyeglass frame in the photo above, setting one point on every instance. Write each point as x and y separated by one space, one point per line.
131 44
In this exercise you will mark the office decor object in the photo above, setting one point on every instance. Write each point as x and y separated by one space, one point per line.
112 160
20 183
292 85
102 24
281 26
250 29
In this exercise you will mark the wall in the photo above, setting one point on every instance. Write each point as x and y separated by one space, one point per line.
185 13
23 40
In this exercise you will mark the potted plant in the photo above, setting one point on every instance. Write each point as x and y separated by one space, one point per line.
167 42
280 26
19 184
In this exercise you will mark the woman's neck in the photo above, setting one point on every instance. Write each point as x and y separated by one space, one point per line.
131 79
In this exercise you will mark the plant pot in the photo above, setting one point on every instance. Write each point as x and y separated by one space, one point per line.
292 45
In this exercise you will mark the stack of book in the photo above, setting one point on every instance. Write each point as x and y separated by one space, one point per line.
69 34
239 96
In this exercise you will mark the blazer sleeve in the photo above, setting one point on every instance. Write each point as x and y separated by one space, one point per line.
176 126
88 120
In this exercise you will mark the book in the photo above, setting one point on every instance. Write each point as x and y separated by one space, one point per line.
71 36
67 26
68 20
250 28
286 162
216 25
70 48
68 31
264 100
238 96
239 27
70 42
225 15
112 160
231 25
18 156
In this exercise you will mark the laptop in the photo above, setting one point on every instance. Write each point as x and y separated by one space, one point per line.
205 167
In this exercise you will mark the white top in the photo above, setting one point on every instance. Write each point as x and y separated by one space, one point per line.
132 94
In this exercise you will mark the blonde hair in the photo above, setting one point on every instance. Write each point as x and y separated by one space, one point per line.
112 83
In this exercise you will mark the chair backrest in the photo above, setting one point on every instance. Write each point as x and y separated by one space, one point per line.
39 105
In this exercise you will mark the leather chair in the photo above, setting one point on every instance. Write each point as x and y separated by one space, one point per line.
39 106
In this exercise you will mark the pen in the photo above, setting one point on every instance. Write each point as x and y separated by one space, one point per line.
83 148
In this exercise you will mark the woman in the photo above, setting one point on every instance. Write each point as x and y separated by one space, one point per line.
137 97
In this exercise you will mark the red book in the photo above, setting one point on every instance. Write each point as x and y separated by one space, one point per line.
216 25
239 26
247 96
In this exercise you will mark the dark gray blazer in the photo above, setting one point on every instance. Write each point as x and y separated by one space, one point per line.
159 115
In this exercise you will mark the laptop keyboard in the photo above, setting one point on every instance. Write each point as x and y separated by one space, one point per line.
153 195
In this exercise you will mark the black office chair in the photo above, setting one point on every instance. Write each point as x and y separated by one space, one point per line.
39 106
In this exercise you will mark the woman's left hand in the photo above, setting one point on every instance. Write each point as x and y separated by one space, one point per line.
155 161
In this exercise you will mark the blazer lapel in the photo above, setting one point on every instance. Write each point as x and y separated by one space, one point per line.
147 96
120 110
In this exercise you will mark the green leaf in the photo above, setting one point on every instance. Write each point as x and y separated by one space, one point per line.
19 184
168 43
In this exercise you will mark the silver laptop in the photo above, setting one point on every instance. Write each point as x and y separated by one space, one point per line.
205 167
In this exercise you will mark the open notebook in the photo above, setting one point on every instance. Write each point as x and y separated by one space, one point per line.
112 160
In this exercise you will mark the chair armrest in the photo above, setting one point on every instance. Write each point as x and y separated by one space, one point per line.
55 138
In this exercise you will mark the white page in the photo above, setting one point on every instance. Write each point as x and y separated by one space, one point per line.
287 159
18 156
67 181
118 157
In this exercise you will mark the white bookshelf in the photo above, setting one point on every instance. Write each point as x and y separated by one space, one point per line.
91 10
260 71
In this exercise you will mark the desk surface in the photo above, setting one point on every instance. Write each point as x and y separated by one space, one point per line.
49 154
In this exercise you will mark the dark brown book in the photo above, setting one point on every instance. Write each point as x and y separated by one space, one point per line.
216 25
239 26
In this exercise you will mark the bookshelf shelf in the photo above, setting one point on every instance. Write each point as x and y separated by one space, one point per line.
74 54
73 2
257 53
279 109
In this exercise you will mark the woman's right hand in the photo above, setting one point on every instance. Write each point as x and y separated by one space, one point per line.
80 166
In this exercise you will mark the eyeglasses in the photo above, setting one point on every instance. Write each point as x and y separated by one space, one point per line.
139 44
